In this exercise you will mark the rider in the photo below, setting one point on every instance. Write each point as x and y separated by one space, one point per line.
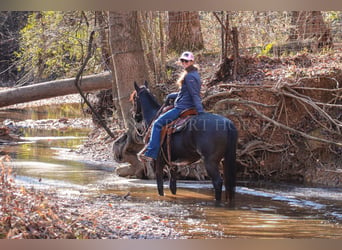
188 97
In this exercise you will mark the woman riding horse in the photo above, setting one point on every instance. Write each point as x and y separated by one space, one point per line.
207 137
188 97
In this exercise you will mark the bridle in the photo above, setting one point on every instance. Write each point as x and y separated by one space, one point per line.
138 113
139 126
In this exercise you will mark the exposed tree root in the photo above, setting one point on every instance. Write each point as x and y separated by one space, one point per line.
284 126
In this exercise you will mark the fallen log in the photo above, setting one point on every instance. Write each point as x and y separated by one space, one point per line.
54 88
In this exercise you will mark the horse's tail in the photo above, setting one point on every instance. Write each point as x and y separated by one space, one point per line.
230 163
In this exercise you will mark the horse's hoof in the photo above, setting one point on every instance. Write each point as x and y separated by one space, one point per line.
218 203
173 189
231 204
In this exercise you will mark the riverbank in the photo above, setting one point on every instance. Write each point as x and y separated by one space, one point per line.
34 214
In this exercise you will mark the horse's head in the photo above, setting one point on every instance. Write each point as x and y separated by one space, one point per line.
145 105
134 98
136 109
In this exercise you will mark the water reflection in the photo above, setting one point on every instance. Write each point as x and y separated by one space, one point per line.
253 216
39 155
70 110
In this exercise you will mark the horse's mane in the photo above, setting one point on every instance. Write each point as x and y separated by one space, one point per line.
144 89
151 98
132 95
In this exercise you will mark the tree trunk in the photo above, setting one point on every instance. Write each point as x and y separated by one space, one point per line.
310 25
227 39
148 42
128 66
236 56
185 31
162 47
54 88
127 57
102 22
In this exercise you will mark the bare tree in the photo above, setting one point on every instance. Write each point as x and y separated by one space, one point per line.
185 31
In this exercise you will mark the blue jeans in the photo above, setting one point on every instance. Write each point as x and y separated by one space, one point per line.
153 146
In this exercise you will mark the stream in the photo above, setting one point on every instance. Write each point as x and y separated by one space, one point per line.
46 159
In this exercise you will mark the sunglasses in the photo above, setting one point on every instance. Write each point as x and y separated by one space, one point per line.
183 60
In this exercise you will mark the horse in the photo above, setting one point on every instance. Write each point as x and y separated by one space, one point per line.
207 136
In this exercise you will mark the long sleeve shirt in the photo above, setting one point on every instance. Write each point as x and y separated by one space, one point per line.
189 94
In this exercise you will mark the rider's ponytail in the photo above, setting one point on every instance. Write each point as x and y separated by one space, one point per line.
183 74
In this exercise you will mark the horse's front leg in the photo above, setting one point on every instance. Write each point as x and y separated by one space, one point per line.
159 176
173 179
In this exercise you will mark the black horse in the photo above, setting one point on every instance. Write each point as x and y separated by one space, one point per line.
207 136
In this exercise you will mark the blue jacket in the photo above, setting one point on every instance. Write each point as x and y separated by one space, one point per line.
189 95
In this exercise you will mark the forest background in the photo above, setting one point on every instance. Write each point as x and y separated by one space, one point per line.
276 74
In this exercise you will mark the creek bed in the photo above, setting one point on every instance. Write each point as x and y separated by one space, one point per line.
47 160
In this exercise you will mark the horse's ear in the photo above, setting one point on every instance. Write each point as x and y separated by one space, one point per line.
137 88
146 84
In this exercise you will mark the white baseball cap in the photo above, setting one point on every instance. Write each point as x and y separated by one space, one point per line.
187 55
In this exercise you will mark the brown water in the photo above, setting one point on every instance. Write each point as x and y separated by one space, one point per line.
262 210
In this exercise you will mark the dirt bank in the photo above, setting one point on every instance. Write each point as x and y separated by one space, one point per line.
289 118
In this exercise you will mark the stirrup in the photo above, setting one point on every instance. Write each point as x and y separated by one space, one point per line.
142 157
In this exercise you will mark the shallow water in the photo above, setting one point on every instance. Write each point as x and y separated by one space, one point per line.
262 210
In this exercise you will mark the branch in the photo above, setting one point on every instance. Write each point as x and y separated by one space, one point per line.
218 19
291 129
312 104
77 81
238 101
233 100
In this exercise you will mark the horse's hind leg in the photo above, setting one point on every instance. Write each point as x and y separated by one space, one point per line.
173 179
214 173
217 183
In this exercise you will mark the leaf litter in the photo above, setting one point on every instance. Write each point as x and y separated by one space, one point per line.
27 213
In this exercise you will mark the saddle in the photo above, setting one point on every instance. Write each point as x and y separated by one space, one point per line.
177 125
174 127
